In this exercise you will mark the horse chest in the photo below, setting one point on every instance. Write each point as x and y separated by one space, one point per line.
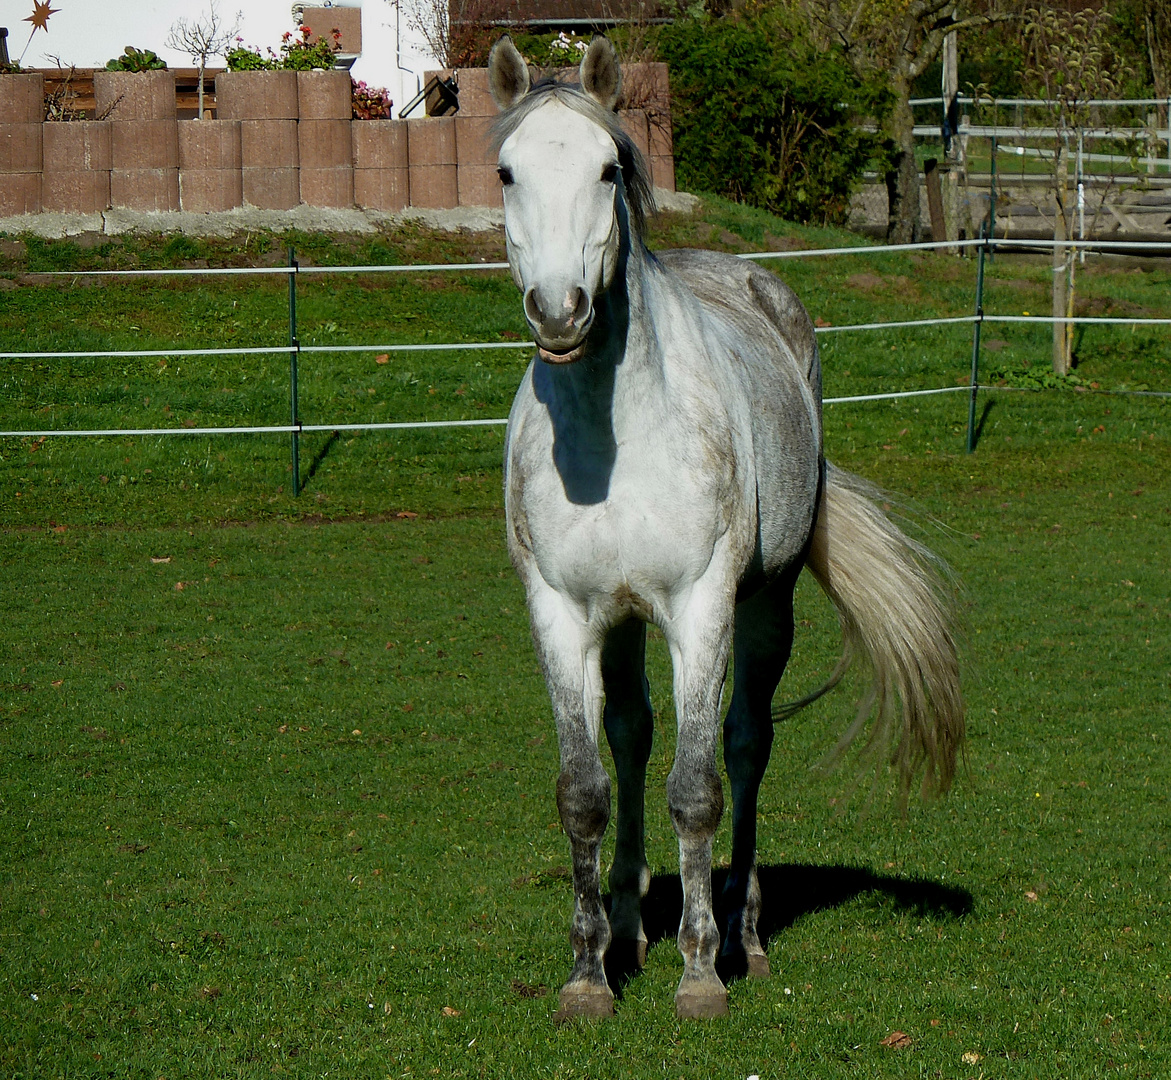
636 551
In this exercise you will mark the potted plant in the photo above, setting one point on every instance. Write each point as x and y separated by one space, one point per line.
135 86
137 93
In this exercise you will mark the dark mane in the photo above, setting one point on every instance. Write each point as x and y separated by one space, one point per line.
640 199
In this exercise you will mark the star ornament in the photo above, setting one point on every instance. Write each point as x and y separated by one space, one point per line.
40 16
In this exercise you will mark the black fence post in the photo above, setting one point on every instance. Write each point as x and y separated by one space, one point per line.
295 348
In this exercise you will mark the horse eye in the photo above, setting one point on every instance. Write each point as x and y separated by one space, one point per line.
610 173
505 175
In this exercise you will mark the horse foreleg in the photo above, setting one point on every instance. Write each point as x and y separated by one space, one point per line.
695 797
629 727
571 661
762 642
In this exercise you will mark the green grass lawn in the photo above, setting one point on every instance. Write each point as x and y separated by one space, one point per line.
277 773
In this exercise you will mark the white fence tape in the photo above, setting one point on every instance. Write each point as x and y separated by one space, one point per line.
478 345
797 253
485 345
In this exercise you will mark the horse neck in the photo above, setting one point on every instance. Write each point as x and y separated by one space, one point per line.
600 401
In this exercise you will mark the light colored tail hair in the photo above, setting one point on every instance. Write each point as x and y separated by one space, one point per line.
891 597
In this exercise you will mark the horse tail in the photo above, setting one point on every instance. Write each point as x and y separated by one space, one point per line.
891 597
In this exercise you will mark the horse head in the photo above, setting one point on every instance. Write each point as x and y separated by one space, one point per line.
573 182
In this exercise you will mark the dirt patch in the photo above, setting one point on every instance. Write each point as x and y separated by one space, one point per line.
868 282
1105 305
784 243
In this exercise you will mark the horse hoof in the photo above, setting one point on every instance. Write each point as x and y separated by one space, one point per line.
758 966
584 1003
701 1005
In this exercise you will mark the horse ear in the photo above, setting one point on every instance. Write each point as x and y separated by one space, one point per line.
508 74
601 77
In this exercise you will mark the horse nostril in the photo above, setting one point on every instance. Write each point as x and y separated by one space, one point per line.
582 308
532 306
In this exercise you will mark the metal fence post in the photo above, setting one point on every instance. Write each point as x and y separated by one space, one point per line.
976 344
295 348
991 199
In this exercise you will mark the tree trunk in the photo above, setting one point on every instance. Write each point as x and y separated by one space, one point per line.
1061 330
902 179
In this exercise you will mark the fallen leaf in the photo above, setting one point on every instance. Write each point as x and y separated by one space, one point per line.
60 681
1031 896
896 1040
382 358
970 1057
410 515
59 529
156 559
449 1011
819 321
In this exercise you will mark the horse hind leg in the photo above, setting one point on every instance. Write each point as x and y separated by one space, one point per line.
629 726
763 639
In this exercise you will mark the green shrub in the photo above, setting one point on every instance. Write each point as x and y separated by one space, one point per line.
1026 377
242 58
762 116
544 51
297 53
133 59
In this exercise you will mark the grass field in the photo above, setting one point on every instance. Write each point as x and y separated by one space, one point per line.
277 773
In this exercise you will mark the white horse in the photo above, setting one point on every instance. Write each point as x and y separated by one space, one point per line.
664 464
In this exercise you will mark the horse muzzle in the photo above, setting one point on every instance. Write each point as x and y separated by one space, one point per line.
560 328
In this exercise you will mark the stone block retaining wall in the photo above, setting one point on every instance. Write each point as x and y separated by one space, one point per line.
280 139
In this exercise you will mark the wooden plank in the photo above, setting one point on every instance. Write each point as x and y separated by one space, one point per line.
81 83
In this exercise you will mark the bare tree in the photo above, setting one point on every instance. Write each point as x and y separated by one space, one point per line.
203 37
1070 63
457 33
900 38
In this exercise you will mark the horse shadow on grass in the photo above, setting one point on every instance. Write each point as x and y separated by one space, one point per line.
788 891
